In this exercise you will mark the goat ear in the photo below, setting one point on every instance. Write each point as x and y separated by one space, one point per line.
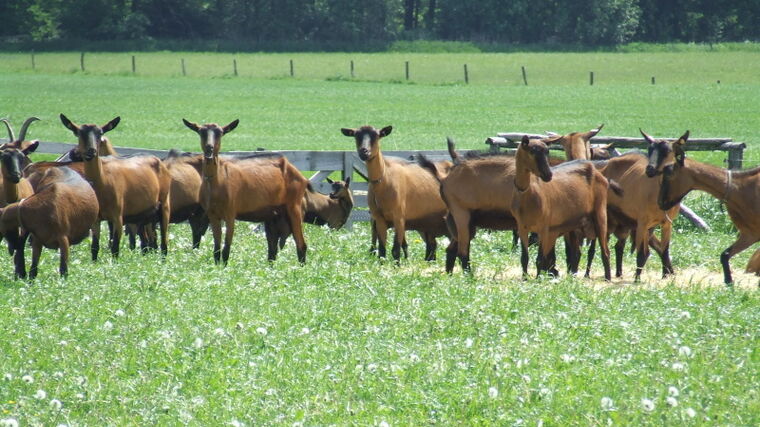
110 125
230 127
525 140
609 146
348 132
592 133
648 138
347 181
386 131
191 125
69 124
329 181
682 140
31 147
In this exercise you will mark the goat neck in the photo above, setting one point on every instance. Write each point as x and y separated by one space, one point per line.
376 168
694 175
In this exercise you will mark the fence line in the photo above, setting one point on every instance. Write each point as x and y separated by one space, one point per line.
324 163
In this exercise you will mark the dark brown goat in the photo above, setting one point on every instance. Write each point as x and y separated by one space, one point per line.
258 188
130 190
552 202
401 194
58 215
15 188
740 190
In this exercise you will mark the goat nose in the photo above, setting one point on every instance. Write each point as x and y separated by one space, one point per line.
650 171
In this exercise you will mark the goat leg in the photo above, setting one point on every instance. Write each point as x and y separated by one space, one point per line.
198 225
95 245
451 255
743 242
270 230
36 252
229 232
216 230
63 245
590 257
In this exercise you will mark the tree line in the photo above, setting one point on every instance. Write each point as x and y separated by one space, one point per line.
583 22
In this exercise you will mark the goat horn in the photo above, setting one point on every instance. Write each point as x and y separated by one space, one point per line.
25 127
11 138
646 137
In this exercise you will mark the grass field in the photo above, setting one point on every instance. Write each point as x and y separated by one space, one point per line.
349 339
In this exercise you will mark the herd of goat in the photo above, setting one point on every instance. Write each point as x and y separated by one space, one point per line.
587 196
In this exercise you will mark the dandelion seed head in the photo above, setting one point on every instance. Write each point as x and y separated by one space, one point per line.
671 401
493 392
220 332
8 422
305 331
607 404
198 343
672 391
236 423
684 351
261 331
414 358
119 313
468 342
27 379
108 325
56 404
678 366
647 405
40 394
384 424
691 413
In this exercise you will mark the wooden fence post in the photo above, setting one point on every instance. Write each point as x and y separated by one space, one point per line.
81 61
735 158
348 171
406 66
134 68
33 65
652 79
591 78
183 67
352 68
234 66
525 76
292 71
466 77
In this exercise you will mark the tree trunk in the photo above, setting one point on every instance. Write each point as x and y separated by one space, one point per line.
430 18
409 15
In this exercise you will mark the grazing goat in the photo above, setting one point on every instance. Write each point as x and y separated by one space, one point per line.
131 190
256 188
739 190
58 215
568 197
401 195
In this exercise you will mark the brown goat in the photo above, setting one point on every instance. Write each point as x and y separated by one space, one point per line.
740 190
105 148
129 190
319 209
572 196
15 188
58 215
401 194
257 188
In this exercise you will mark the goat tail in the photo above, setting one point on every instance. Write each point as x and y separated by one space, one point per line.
615 187
426 164
453 151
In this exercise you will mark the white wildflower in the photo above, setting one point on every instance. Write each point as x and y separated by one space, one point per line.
27 379
270 392
305 331
383 424
647 405
567 358
8 377
691 413
108 325
678 366
468 342
607 404
672 391
526 378
119 313
261 331
58 374
8 422
198 343
684 351
671 401
56 404
493 392
414 358
236 423
63 343
685 315
40 394
372 367
220 332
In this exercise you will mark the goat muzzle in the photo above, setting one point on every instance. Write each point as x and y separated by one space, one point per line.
364 155
651 171
14 177
90 153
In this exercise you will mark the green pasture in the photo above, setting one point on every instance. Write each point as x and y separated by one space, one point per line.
347 338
